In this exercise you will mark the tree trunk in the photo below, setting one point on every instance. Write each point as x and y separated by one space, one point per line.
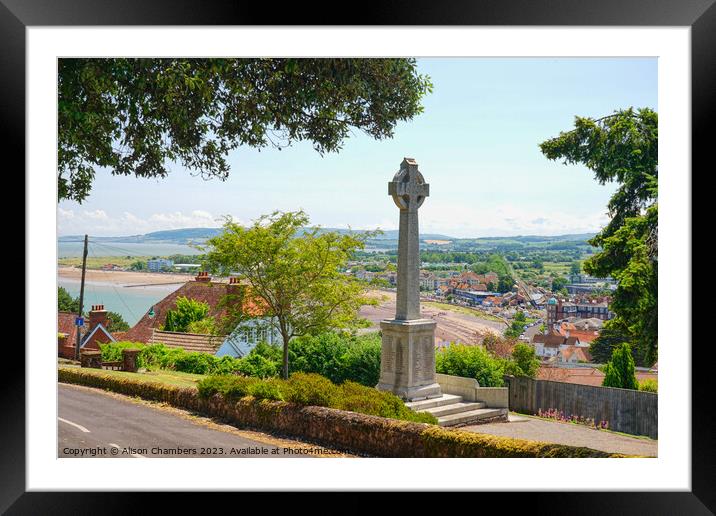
285 355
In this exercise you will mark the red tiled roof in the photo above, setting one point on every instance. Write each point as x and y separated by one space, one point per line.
188 341
66 324
208 292
554 340
581 375
581 354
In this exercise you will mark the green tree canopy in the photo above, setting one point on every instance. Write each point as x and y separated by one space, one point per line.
294 272
115 322
619 371
65 302
524 361
187 311
135 116
559 283
623 147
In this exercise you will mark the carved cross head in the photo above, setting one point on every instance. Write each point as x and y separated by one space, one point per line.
408 187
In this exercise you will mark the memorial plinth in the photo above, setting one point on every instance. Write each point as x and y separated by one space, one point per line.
407 359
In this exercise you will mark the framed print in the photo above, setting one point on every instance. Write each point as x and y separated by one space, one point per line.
227 276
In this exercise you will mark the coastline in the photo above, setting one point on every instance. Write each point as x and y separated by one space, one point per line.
124 278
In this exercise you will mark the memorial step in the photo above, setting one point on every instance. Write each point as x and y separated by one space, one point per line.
471 416
454 408
445 399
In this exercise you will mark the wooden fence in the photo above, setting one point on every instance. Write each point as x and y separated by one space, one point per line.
625 410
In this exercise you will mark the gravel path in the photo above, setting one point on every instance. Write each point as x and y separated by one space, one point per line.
536 429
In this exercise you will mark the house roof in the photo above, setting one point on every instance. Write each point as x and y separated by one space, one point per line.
211 293
66 325
554 340
188 341
581 375
96 329
576 352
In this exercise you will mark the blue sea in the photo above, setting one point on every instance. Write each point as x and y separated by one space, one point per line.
131 302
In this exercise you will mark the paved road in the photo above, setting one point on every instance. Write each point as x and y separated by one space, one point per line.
536 429
94 424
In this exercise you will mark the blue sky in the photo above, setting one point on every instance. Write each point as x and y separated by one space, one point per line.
476 144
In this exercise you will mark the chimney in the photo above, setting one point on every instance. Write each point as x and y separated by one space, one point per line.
203 276
235 288
98 315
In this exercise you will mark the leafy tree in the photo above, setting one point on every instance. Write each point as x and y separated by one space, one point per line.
115 322
575 268
65 302
293 272
138 266
524 361
559 283
205 326
619 371
623 147
187 311
499 346
517 327
135 116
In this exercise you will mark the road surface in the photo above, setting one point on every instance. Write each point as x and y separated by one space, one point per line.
92 423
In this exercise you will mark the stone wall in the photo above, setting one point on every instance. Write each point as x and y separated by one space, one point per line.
339 429
625 410
470 390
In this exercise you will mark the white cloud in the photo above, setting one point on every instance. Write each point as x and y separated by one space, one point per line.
461 220
100 223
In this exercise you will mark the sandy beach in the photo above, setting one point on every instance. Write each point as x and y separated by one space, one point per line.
125 278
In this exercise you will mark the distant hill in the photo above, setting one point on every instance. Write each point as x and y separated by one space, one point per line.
199 235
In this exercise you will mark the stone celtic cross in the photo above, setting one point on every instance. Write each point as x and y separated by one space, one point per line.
407 357
408 187
408 190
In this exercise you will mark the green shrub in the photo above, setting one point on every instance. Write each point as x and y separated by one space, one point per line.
311 389
337 357
194 362
471 362
257 365
362 360
649 385
230 386
266 390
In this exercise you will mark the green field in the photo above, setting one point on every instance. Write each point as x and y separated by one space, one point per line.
96 262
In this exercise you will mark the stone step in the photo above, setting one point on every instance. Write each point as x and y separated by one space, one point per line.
454 408
471 416
445 399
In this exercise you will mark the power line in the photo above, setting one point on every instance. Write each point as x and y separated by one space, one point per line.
131 312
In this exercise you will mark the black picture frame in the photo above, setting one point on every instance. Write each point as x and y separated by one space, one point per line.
699 15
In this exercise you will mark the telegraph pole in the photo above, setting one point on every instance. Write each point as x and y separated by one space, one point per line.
82 295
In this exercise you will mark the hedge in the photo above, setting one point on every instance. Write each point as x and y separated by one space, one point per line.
315 390
358 433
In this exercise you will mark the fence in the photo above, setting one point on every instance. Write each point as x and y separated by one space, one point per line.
625 410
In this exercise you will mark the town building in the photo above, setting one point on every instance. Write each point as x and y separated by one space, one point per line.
558 310
159 264
550 344
96 333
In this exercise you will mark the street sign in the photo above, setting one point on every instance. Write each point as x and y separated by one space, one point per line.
79 321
